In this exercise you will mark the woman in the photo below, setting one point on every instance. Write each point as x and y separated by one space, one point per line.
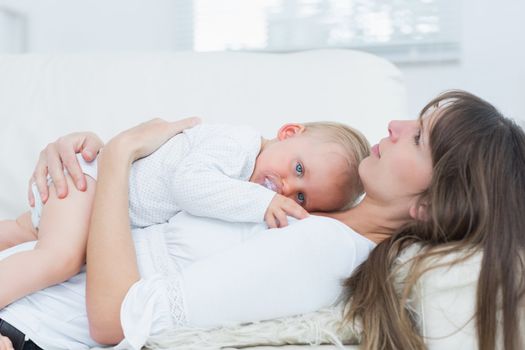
475 202
398 178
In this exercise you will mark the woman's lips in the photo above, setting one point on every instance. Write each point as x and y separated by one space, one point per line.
375 150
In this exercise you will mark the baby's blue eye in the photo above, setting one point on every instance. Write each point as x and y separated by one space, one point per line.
299 169
300 197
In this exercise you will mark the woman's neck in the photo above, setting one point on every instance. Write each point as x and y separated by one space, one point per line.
373 220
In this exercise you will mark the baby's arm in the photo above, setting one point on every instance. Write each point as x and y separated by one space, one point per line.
207 191
208 182
60 250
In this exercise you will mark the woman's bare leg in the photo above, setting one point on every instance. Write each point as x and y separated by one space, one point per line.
14 232
60 250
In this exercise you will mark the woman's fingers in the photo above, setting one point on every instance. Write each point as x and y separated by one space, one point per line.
55 170
60 155
66 156
39 177
167 130
91 146
30 196
186 123
145 138
67 148
5 343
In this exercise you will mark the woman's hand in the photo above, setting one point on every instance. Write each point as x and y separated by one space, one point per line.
60 154
144 139
5 343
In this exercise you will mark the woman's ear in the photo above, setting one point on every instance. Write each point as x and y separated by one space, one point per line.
289 130
418 211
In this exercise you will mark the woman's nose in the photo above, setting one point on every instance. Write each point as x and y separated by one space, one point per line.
396 128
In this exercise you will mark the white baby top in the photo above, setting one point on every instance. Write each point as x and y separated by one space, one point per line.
204 171
204 272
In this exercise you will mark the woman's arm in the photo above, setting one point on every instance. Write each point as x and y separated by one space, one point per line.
283 272
111 261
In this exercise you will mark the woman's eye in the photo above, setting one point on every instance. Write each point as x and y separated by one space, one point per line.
300 197
417 137
299 169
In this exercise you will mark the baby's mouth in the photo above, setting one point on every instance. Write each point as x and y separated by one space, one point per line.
271 183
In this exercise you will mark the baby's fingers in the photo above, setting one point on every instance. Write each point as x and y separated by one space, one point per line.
270 220
280 216
275 218
293 209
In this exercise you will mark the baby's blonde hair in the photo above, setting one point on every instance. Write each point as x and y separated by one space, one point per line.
355 146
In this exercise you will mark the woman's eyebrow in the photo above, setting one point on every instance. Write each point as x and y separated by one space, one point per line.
421 130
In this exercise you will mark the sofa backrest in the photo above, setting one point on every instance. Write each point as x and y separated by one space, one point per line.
45 96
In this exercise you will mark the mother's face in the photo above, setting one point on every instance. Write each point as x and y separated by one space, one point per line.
400 166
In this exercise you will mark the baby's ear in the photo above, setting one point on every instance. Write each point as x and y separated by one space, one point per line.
419 211
289 130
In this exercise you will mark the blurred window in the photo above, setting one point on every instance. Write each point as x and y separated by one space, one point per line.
400 30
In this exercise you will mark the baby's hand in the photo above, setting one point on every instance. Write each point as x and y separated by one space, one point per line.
279 208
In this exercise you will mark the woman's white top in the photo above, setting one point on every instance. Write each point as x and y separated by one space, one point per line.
204 272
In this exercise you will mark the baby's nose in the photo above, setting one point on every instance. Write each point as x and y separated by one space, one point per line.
289 188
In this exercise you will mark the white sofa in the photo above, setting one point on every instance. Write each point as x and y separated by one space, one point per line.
43 97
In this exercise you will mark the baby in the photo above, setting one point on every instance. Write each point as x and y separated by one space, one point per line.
218 171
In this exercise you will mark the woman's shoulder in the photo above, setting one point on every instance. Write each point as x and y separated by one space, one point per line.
330 240
323 227
320 245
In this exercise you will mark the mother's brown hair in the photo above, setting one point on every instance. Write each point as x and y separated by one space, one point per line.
475 202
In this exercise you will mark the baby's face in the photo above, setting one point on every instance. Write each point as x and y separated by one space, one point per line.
305 169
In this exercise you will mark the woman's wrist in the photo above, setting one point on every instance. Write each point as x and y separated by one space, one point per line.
118 151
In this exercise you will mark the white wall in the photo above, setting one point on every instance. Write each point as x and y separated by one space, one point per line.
97 25
492 62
